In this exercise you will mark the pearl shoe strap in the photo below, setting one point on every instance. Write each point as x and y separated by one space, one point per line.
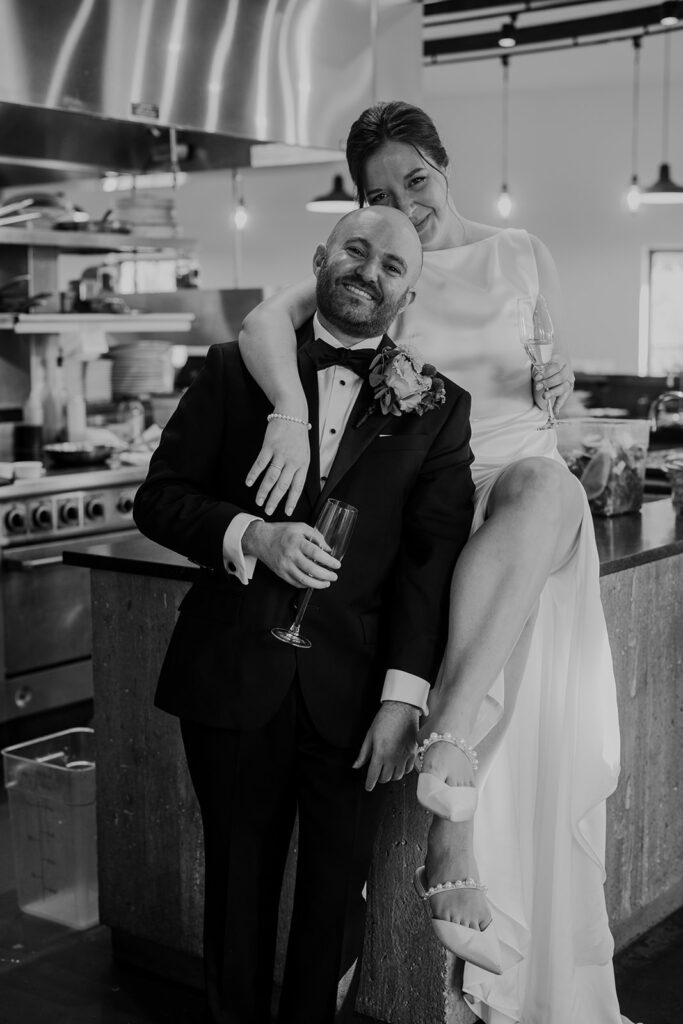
460 883
446 737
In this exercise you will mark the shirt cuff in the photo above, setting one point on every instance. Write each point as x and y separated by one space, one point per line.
407 688
235 561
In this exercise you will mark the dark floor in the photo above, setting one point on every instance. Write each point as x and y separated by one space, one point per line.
51 974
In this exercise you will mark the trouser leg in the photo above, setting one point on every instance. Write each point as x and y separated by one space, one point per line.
337 823
245 785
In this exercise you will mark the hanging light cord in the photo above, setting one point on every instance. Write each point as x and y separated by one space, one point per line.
665 98
505 98
635 109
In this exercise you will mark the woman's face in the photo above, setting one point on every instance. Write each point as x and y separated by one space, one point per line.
398 175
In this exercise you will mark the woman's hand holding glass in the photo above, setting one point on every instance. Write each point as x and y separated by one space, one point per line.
554 381
551 371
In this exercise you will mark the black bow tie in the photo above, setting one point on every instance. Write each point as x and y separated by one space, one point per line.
356 359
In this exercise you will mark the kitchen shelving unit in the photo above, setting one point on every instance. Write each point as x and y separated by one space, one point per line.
35 252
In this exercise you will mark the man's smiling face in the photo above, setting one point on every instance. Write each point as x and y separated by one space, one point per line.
366 271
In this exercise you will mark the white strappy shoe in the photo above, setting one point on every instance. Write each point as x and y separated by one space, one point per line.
456 803
477 947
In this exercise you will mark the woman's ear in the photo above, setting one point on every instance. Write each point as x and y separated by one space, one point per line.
319 258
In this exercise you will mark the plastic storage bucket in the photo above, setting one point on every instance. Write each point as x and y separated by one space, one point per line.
50 786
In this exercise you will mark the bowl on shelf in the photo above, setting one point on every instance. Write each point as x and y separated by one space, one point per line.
608 455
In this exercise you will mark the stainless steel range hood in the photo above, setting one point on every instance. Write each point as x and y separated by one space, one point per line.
94 85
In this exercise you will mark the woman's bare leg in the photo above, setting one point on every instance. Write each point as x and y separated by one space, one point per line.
534 515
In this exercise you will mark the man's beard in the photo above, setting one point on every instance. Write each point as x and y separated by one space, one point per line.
349 315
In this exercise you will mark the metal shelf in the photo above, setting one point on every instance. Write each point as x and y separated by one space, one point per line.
59 323
85 241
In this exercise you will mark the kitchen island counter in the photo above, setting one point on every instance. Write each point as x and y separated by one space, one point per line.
149 827
623 542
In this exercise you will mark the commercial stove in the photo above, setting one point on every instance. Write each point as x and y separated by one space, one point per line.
45 623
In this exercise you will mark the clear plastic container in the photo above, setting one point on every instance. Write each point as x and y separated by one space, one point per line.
608 456
50 786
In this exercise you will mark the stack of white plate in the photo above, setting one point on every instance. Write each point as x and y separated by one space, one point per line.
143 368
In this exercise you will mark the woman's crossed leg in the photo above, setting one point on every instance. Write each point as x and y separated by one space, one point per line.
533 519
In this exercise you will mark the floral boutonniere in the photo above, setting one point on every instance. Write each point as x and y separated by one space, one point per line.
402 382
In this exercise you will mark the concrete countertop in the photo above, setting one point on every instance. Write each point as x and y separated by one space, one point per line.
623 542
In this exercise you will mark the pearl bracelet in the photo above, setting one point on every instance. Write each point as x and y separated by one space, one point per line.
446 737
290 419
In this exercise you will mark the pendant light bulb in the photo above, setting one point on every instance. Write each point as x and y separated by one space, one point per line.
504 203
633 196
241 216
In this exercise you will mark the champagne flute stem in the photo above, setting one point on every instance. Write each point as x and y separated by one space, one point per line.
301 609
551 412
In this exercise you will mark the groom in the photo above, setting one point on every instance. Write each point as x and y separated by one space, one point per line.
269 730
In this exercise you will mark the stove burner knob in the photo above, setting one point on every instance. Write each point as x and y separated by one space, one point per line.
94 508
23 697
15 520
68 513
42 517
125 504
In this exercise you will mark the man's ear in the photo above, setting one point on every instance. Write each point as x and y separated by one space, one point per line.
406 300
319 258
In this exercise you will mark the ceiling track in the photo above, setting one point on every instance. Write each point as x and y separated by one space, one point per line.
517 52
578 30
464 11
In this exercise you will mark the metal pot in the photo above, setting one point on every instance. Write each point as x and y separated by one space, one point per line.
667 410
77 453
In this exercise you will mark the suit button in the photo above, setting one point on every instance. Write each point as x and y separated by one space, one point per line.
232 567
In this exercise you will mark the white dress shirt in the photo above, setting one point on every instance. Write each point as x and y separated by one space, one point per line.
338 389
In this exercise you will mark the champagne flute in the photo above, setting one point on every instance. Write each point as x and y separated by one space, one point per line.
336 522
536 334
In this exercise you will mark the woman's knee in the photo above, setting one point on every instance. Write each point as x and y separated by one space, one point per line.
539 485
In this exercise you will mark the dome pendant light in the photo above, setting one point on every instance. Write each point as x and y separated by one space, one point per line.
336 201
633 194
504 201
664 191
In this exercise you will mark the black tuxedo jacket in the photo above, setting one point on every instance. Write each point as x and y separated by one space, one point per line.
410 480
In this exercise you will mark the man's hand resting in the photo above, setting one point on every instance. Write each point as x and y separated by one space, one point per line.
296 552
390 743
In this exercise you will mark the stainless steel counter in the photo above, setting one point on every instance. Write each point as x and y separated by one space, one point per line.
57 480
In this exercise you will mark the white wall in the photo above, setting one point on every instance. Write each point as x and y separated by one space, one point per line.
569 168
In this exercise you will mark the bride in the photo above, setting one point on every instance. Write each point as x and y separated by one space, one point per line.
520 746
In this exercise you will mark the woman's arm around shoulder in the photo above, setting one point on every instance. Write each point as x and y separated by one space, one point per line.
267 344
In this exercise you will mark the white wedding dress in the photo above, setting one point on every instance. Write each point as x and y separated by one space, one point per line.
540 824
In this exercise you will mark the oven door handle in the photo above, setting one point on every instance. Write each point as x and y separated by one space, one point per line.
29 564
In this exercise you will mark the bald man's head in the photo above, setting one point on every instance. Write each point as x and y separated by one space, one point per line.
367 270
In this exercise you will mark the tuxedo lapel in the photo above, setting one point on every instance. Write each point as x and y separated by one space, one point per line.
309 380
356 437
